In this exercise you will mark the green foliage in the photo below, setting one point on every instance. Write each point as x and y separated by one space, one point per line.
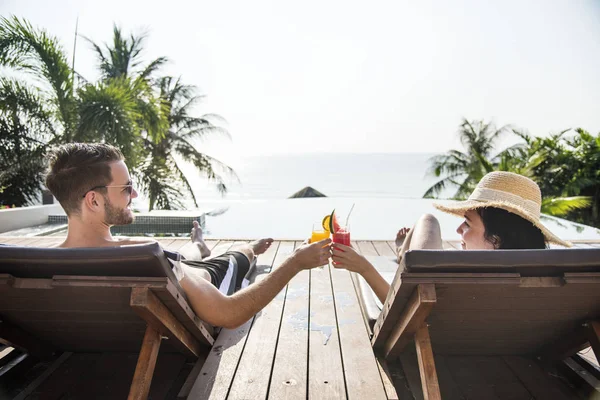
147 116
565 165
23 122
463 169
177 147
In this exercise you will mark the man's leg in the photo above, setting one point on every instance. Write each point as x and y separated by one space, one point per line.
253 249
223 272
426 234
200 250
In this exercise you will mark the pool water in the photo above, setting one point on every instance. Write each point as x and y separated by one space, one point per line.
371 219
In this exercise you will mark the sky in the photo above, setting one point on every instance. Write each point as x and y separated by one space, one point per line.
357 76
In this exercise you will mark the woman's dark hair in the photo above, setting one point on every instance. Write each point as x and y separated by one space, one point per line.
506 230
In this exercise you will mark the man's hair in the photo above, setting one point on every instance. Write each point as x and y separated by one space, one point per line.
75 168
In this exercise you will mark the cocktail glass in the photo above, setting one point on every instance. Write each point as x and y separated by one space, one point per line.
342 236
318 233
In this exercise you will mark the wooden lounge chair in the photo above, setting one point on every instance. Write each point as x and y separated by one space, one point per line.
96 300
498 303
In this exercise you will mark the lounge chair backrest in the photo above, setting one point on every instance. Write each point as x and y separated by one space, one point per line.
548 262
493 302
146 260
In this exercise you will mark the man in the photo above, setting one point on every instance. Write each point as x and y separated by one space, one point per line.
92 183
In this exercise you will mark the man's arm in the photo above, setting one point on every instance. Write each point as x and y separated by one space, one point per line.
232 311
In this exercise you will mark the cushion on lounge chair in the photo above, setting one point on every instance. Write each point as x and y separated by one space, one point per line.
147 260
547 262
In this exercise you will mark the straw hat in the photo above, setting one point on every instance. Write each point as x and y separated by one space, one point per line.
508 191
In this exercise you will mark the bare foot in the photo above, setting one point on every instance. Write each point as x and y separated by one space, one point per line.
198 239
260 246
400 236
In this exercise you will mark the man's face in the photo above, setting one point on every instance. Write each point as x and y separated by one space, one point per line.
117 200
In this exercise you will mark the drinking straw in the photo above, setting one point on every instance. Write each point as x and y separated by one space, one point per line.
348 217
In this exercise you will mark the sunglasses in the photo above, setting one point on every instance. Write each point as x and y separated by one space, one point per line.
128 188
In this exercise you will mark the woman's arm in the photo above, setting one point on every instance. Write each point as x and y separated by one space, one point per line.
347 258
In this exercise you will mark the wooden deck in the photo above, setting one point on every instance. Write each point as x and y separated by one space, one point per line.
310 342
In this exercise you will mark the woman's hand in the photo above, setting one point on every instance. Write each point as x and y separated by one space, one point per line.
346 257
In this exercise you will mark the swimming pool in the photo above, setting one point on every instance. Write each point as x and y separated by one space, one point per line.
371 219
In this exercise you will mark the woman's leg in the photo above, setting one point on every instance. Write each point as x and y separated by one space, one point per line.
426 234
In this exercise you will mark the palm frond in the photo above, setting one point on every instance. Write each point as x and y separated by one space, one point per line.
34 52
561 206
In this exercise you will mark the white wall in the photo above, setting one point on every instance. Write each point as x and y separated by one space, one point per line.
23 217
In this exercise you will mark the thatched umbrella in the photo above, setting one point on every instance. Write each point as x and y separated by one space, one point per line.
307 192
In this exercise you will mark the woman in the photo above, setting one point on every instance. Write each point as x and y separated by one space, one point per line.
503 212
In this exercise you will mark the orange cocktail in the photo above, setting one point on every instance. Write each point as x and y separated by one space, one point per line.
318 235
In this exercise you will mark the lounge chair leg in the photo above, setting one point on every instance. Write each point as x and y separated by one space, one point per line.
429 380
140 387
593 334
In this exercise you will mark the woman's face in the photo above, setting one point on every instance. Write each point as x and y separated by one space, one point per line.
472 233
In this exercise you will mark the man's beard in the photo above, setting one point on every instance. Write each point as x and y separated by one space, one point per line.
117 216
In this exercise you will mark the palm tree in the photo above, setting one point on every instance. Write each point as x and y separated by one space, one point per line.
130 109
25 128
36 54
162 176
464 169
169 133
146 117
31 116
549 161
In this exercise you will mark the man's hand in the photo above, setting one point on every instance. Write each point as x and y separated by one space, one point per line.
312 255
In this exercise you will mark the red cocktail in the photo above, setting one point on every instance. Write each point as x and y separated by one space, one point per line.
342 236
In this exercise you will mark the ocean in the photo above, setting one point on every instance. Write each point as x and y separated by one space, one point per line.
400 175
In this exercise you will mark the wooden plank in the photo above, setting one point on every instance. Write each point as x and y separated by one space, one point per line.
386 377
428 373
537 382
289 377
168 366
592 329
12 335
384 249
150 309
364 382
325 368
252 377
43 376
584 375
218 371
32 241
193 375
367 248
486 377
61 383
446 245
392 245
165 242
142 378
190 248
222 247
412 318
109 377
177 244
448 387
410 366
21 241
10 240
